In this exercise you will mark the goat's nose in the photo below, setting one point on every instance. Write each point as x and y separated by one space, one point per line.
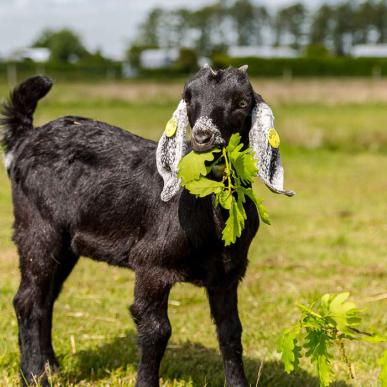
203 136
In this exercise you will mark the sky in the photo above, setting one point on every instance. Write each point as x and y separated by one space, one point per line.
108 25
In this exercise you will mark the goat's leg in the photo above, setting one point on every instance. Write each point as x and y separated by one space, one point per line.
41 280
224 310
150 313
33 308
67 261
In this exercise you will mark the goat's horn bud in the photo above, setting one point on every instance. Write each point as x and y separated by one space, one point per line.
206 66
244 68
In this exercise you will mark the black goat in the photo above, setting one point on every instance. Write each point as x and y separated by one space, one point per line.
83 187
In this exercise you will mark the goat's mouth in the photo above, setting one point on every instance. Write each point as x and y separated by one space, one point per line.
213 141
198 146
205 135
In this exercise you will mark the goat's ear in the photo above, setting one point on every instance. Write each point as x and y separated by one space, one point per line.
170 150
264 140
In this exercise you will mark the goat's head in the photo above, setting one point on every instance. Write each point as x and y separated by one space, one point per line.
217 104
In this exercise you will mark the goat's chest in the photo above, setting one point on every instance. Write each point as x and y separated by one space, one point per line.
205 260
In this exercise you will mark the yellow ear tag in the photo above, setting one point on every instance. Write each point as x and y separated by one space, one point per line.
274 138
170 128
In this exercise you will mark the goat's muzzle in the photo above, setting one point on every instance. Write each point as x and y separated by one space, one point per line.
203 141
205 135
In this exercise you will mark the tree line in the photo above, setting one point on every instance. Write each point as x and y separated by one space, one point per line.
245 23
330 28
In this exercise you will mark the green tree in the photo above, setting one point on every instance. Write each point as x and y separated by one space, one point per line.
296 22
207 22
321 26
65 45
363 21
380 20
248 21
279 26
290 20
183 25
150 29
343 27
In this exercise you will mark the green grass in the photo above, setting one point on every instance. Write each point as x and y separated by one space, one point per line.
328 238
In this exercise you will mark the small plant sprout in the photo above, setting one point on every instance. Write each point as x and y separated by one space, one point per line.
324 325
236 168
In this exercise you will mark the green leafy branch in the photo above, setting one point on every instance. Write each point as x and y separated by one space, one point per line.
235 169
322 325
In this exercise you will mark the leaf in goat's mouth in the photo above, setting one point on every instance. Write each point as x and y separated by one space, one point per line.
193 165
234 170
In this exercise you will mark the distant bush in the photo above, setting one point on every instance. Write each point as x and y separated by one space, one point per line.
187 61
96 67
91 68
307 66
316 51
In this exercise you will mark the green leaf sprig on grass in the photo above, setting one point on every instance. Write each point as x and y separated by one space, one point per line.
237 168
323 325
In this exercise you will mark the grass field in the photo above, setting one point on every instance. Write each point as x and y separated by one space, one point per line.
329 238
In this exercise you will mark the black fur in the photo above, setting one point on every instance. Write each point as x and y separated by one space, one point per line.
85 188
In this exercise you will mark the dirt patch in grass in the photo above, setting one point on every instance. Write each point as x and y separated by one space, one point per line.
328 92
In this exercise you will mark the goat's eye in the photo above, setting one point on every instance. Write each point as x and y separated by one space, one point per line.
242 104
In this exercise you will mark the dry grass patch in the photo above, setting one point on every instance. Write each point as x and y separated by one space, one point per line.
329 92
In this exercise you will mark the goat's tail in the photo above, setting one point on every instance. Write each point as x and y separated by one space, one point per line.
17 113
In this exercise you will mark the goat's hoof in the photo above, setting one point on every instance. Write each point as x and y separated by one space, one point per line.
52 366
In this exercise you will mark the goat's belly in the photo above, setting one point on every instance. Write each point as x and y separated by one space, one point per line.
173 259
103 248
134 249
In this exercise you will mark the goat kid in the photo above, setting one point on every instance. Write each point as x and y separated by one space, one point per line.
83 187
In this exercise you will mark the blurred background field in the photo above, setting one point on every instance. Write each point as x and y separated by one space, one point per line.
322 67
329 238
